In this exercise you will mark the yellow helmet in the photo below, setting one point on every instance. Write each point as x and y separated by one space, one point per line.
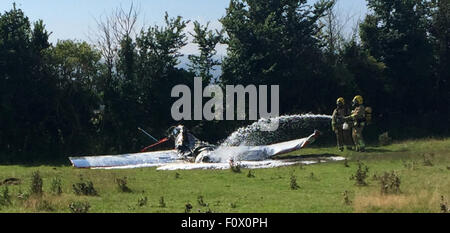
340 100
358 99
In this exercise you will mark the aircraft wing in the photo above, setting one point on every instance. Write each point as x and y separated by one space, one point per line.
154 158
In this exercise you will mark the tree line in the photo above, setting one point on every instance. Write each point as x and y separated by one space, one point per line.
77 98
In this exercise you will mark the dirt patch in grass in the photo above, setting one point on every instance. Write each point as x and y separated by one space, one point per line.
10 181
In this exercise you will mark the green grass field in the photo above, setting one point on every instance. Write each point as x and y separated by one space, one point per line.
423 167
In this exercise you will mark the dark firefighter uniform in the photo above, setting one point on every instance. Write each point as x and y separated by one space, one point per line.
337 124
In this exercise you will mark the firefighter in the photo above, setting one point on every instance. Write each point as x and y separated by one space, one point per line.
357 119
337 122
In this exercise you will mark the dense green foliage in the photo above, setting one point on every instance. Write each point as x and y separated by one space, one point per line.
76 98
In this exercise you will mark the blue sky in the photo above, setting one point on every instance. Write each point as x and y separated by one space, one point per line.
75 19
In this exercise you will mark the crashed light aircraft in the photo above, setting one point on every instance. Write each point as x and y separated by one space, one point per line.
190 149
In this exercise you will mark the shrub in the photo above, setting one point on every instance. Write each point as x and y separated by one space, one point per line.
162 203
79 207
390 183
251 174
384 139
346 198
361 174
293 182
187 207
411 165
201 202
312 176
84 188
122 185
443 205
56 186
36 184
142 201
5 198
